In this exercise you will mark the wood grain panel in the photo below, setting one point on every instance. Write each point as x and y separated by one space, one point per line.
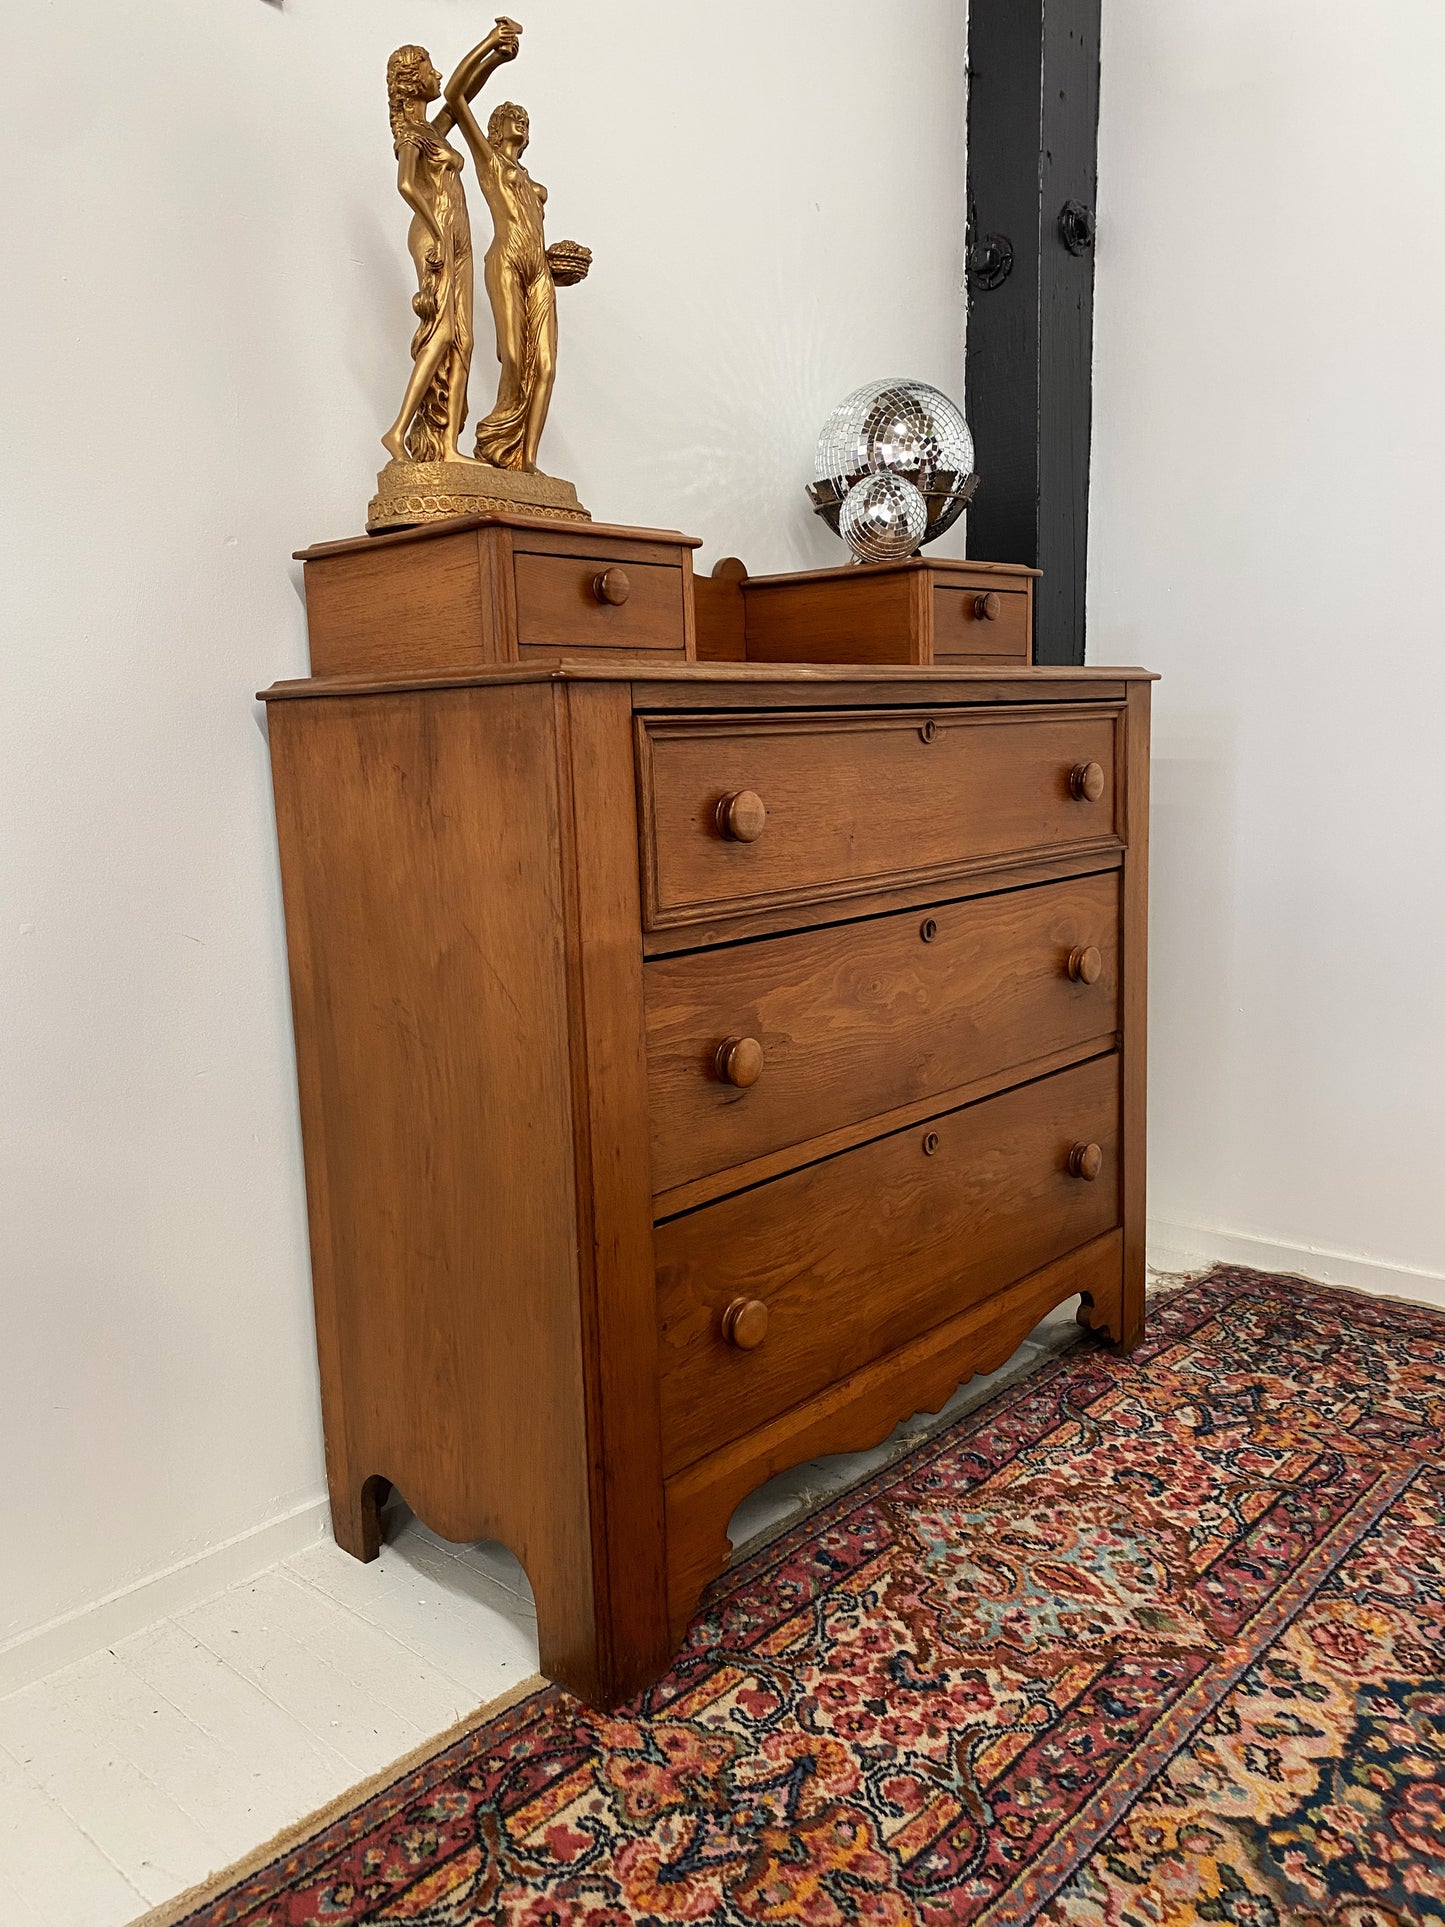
858 1254
420 860
866 618
387 610
859 800
860 1018
718 607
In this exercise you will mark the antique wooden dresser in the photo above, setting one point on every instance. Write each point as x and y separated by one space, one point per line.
702 1066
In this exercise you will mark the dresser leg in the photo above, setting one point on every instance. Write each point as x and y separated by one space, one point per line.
602 1661
1133 1323
1120 1321
356 1515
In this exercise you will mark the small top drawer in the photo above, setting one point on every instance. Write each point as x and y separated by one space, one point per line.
981 625
741 813
589 602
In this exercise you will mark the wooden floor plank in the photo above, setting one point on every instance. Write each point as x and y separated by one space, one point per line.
266 1767
461 1622
347 1684
53 1870
65 1733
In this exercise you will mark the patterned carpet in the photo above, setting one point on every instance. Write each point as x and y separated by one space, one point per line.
1143 1641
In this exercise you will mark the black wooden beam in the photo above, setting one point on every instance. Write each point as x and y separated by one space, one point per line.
1033 120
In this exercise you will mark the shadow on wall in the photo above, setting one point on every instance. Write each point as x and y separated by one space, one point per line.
1193 808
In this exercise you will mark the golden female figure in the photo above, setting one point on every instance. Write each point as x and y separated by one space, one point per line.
434 409
521 273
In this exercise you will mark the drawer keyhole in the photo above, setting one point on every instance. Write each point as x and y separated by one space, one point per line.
928 730
928 929
930 1143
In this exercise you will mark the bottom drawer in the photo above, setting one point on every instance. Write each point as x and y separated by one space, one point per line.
766 1297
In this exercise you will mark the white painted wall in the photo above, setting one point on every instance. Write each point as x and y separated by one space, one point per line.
205 338
1265 530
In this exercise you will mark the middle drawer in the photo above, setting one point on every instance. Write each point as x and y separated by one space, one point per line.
843 1024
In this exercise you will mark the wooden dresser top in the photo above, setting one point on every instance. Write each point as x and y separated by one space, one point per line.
951 682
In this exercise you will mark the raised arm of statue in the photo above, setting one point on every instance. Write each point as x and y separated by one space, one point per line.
471 75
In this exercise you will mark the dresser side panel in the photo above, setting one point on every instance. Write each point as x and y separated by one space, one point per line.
420 844
397 610
614 1201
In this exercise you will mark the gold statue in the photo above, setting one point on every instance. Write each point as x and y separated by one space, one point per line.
428 478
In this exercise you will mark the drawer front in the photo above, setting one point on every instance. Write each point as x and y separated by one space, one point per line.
859 801
562 604
866 1017
963 629
854 1256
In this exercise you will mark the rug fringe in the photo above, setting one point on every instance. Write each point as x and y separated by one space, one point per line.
1220 1266
172 1913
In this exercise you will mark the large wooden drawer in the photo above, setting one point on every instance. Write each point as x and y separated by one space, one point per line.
855 1255
865 1017
741 812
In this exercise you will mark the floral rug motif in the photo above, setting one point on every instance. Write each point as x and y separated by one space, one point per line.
1142 1642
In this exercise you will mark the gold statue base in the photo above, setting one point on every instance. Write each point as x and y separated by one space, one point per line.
409 493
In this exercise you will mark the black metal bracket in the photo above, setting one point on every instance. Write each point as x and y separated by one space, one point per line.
990 261
1076 227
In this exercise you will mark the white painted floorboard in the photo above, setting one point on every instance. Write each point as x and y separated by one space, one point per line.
135 1773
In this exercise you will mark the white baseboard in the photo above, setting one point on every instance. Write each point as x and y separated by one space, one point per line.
90 1629
1188 1247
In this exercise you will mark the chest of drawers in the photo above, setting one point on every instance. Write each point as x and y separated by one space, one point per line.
702 1067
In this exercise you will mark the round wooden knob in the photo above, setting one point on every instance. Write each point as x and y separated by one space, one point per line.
745 1323
1086 781
1086 1161
987 608
1086 966
612 586
740 1061
741 816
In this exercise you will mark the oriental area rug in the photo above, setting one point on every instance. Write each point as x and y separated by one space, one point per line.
1143 1641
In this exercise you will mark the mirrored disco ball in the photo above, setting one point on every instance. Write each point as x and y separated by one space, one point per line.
882 518
907 428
